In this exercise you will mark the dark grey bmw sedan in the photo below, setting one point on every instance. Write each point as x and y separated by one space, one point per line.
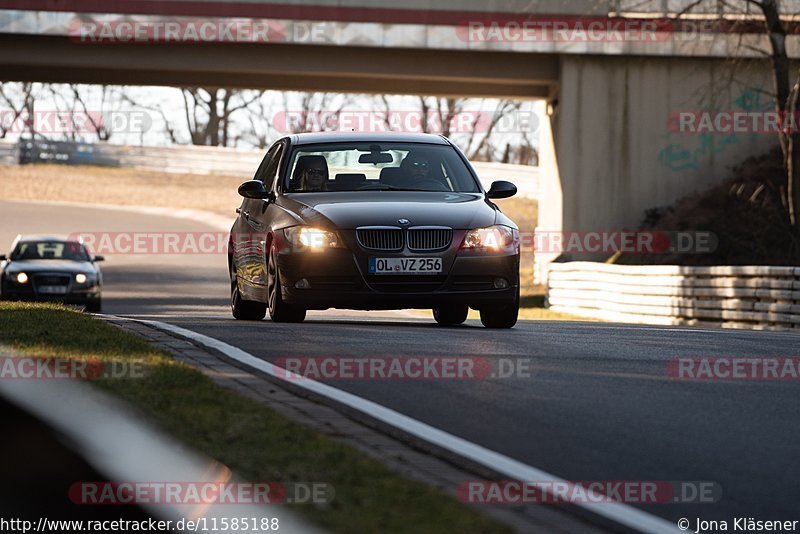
372 222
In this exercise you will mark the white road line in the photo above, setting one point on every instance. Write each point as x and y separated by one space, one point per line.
619 513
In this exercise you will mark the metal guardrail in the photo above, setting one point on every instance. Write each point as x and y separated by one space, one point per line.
190 159
114 440
759 297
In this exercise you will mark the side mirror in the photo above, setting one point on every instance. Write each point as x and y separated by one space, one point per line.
254 189
99 258
501 189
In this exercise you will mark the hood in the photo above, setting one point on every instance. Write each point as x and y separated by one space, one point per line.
347 211
50 266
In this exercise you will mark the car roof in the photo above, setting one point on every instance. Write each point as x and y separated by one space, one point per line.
45 237
366 137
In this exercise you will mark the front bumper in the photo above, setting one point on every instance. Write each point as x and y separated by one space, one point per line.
338 279
28 292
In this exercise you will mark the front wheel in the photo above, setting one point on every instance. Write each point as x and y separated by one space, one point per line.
451 315
501 316
94 305
279 311
245 310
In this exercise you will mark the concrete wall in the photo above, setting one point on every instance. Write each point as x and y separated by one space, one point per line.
616 156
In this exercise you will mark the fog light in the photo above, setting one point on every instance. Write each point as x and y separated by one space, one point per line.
500 283
22 278
302 284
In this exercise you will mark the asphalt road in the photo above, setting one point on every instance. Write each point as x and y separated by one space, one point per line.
599 404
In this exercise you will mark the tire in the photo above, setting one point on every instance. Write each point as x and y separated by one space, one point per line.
245 310
279 311
501 316
451 315
94 305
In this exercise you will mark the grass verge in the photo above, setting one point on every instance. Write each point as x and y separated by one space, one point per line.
254 441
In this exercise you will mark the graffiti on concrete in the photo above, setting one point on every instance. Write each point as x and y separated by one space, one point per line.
692 154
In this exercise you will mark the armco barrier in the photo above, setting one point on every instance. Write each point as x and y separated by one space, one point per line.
730 297
235 162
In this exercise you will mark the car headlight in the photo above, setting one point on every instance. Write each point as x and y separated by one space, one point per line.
492 239
303 237
80 278
22 278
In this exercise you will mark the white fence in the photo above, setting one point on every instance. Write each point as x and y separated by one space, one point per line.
8 152
728 297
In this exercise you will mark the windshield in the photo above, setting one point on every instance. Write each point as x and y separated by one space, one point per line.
373 166
50 250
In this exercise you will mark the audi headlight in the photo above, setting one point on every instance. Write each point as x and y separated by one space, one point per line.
22 278
304 237
80 278
492 239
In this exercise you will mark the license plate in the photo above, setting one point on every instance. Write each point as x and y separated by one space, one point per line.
52 290
405 265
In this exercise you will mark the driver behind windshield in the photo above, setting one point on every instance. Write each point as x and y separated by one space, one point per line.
416 166
310 174
421 170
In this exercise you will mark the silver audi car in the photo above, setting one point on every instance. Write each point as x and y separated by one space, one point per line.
51 268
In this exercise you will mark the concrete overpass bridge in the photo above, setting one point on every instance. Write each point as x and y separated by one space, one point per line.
607 153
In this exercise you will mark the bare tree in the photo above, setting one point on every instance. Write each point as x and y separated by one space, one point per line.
208 112
169 126
461 119
83 112
312 112
259 124
97 118
18 100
